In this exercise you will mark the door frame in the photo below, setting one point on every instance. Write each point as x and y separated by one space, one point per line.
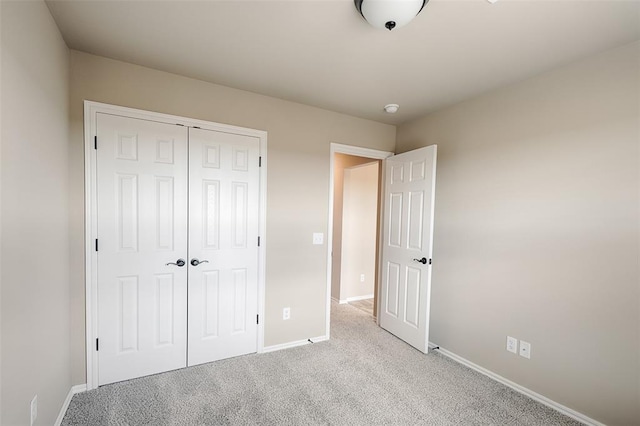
337 148
91 109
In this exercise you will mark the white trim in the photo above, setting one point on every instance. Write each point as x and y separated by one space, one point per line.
337 148
295 344
65 405
262 250
91 109
519 388
356 298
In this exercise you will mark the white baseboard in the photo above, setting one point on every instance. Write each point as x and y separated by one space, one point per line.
297 343
352 299
356 298
525 391
74 390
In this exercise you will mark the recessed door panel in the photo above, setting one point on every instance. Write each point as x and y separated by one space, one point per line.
210 304
211 213
127 146
239 305
164 151
164 309
412 297
396 173
415 220
418 170
239 215
128 310
127 211
395 220
392 289
164 212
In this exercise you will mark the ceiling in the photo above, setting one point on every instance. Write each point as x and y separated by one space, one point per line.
322 53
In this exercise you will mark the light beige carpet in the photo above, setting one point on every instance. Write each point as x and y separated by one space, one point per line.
362 376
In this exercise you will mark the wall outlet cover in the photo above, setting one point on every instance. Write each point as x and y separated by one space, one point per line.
318 238
525 349
512 344
286 313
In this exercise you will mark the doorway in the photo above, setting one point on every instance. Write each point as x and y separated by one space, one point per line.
355 231
357 164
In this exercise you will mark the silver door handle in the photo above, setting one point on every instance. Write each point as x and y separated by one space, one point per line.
196 262
179 262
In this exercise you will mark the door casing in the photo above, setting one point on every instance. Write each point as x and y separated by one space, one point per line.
91 109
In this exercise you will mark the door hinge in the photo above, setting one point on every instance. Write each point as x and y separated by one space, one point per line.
259 161
429 261
257 319
96 244
258 241
95 142
97 345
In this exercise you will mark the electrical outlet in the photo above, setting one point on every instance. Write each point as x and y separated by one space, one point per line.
361 278
525 349
286 313
512 344
318 238
34 409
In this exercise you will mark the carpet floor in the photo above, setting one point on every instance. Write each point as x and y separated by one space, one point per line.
362 376
365 305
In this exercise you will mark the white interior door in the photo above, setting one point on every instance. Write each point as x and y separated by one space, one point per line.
223 236
407 245
142 227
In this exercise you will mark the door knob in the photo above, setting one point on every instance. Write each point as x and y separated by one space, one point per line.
179 262
196 262
423 260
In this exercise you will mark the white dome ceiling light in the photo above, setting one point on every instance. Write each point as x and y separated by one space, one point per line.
389 14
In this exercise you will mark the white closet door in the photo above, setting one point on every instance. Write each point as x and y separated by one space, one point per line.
142 226
223 234
407 245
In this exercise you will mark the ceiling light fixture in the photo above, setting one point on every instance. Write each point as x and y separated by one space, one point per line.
389 14
391 108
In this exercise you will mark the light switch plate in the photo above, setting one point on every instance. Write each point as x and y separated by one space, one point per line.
318 238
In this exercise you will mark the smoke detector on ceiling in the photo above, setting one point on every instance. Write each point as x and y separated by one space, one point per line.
391 108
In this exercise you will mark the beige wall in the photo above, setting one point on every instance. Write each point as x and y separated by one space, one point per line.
360 227
35 221
536 232
298 180
340 162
